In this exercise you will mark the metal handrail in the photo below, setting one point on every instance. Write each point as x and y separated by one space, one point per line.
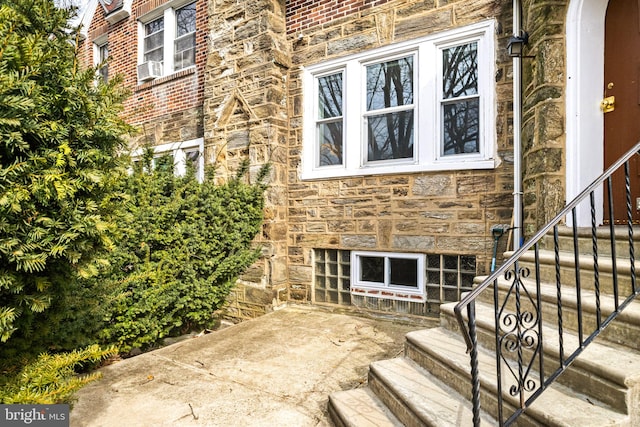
507 269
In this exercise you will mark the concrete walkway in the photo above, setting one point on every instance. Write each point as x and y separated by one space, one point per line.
277 370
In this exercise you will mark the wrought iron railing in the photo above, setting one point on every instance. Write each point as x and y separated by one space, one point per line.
523 368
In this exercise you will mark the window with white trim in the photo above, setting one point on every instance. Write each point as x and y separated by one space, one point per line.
168 38
153 43
416 106
103 66
100 56
184 52
388 275
186 154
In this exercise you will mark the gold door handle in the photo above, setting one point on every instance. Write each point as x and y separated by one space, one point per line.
608 104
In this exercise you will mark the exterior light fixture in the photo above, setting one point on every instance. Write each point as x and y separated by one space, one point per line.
516 44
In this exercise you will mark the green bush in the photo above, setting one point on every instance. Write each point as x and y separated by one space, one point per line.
52 379
59 138
182 246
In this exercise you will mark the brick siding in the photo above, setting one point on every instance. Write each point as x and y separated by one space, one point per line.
154 104
304 14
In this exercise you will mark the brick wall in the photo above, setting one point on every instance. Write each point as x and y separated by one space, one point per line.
304 14
167 109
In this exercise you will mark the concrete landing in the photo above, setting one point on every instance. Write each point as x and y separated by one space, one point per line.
277 370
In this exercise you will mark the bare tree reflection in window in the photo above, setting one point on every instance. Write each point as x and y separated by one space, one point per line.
390 98
185 43
329 123
461 101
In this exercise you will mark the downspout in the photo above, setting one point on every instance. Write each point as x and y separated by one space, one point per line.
517 136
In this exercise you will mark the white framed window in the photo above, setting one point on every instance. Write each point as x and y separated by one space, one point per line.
388 275
100 56
153 42
185 154
167 39
422 105
184 52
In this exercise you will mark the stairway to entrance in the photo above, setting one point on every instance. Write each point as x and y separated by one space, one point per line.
548 303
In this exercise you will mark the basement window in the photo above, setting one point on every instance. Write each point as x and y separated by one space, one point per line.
388 275
391 282
449 276
179 155
332 276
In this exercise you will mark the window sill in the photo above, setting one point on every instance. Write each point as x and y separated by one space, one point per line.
162 80
389 293
330 172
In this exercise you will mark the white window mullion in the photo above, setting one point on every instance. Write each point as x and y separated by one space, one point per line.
488 109
141 35
353 103
179 162
438 99
428 112
387 272
169 38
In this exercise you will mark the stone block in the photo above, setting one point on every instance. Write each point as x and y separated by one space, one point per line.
433 185
316 227
278 268
551 124
360 25
415 8
415 26
469 244
474 184
343 226
544 160
468 12
331 212
357 241
469 228
413 243
258 296
352 44
238 140
300 273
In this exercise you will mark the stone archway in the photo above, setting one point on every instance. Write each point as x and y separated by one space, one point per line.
585 80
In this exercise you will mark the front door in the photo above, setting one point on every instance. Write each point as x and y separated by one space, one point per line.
621 79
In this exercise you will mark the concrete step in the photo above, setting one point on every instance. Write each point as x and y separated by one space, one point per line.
607 372
586 264
417 397
360 408
625 330
443 354
585 241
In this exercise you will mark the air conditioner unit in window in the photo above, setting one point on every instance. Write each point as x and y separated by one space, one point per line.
149 70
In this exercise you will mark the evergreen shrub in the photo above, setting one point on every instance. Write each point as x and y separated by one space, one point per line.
181 248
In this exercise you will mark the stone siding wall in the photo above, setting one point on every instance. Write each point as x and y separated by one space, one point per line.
440 212
543 133
245 117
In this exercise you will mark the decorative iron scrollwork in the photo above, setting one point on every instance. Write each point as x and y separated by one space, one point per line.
519 339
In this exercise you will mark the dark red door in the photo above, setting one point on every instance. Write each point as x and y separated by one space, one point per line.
621 75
